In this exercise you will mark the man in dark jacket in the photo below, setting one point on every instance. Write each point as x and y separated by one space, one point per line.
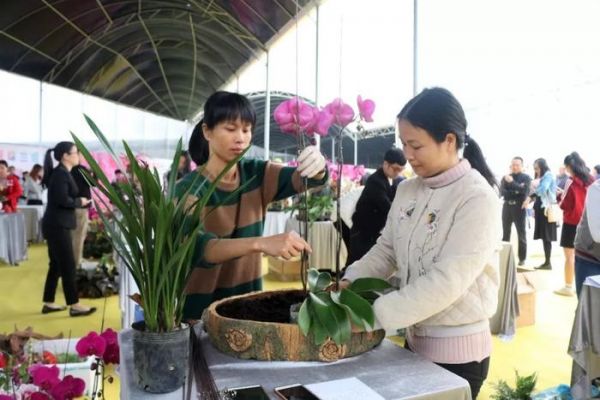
373 205
514 188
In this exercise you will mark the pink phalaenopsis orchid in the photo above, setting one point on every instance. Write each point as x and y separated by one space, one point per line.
366 108
111 354
91 345
44 376
294 116
342 113
68 389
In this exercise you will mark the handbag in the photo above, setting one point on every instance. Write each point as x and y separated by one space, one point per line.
551 213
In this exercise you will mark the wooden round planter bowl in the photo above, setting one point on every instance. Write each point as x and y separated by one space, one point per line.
249 339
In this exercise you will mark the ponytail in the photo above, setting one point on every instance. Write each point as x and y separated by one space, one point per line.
48 167
59 150
474 155
198 145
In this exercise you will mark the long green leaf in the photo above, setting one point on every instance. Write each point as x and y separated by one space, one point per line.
359 309
318 331
336 323
369 284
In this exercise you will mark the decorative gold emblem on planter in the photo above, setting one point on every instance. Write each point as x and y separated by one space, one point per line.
330 351
238 339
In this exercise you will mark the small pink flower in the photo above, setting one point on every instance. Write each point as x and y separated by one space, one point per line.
46 377
91 345
366 108
111 354
6 397
110 336
342 113
323 122
68 389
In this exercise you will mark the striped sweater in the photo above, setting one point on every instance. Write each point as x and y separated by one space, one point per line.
239 216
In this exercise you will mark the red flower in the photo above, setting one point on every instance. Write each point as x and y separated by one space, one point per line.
3 361
39 396
48 358
6 397
110 336
91 345
68 389
111 354
44 376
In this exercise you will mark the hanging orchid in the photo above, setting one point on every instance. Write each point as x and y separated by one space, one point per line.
366 108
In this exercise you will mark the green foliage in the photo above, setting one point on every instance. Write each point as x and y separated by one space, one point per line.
330 314
156 233
525 385
320 207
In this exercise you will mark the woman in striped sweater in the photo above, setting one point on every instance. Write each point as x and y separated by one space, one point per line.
228 254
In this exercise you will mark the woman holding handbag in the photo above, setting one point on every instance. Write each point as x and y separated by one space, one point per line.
544 207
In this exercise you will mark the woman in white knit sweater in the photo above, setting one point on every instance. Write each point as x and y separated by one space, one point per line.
439 242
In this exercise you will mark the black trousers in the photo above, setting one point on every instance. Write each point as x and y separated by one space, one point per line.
360 244
473 372
62 264
514 214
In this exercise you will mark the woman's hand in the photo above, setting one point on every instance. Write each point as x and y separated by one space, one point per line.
310 162
285 245
85 201
526 203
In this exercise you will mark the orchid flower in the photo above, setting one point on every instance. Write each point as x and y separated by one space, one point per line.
43 376
342 113
294 116
366 108
91 345
68 389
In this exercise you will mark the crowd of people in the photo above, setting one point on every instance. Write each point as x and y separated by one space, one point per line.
435 236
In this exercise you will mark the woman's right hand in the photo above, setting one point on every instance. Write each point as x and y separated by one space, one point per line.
84 201
285 245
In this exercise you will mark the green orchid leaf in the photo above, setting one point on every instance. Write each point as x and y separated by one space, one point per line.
359 310
369 284
318 281
316 328
304 318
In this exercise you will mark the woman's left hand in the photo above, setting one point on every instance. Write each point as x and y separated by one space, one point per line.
310 162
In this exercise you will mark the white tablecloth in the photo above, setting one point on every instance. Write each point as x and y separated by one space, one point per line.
275 222
322 237
391 371
33 222
13 244
584 346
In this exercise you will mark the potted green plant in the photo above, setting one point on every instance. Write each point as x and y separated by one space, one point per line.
155 236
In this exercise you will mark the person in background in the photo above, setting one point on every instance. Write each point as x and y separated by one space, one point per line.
440 242
544 196
587 239
562 177
10 188
81 213
597 171
57 224
12 171
374 204
514 188
572 201
228 254
33 185
184 168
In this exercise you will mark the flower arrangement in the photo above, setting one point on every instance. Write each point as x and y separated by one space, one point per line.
296 117
36 376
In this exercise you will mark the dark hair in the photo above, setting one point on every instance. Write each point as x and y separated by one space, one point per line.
59 150
577 165
518 158
439 113
543 165
35 171
597 168
219 107
395 156
3 162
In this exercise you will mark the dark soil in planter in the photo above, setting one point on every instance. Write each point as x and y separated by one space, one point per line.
275 308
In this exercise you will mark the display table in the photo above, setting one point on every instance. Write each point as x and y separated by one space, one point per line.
504 320
13 244
322 238
275 222
33 222
393 372
584 346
